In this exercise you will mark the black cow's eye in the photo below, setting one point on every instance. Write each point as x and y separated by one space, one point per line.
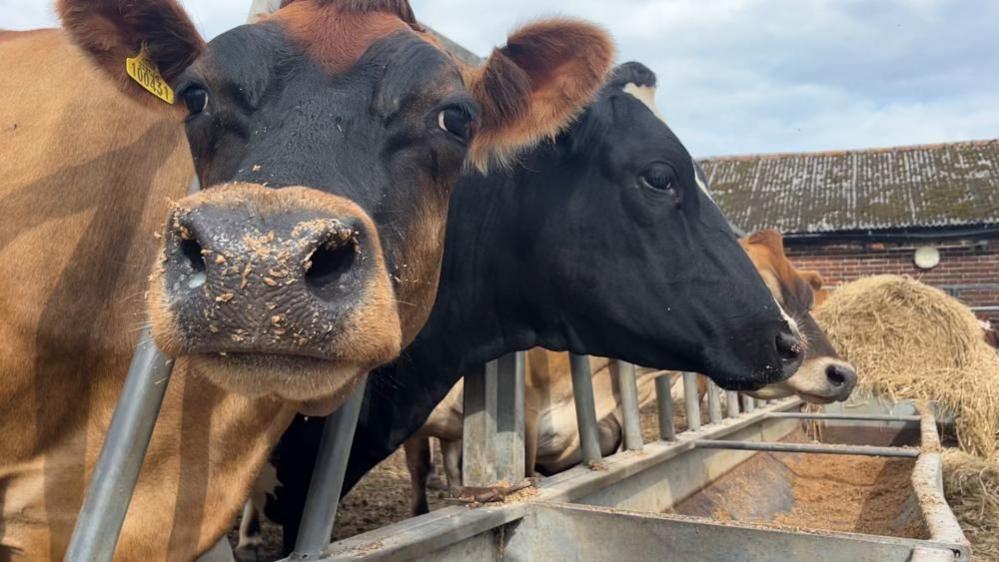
196 100
660 177
456 121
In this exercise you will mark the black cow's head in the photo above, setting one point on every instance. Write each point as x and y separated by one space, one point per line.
630 255
327 137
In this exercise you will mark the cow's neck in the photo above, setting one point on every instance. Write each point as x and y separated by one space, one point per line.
489 303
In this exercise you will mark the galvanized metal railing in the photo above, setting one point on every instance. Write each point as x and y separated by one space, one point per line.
493 434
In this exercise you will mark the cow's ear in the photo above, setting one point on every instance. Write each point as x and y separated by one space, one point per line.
769 238
534 86
111 31
813 278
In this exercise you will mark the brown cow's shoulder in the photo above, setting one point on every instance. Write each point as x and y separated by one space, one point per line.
76 251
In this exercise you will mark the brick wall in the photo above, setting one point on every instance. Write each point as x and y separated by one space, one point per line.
967 270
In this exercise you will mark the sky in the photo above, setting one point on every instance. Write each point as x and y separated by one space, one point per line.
752 76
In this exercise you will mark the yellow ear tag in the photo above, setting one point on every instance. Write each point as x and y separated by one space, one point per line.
144 71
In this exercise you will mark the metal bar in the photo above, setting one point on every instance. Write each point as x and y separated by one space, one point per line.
586 413
748 405
509 437
629 405
478 445
95 535
808 448
664 402
327 476
99 523
714 403
927 483
691 401
732 397
853 417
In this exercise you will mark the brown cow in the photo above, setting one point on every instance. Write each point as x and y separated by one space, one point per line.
338 128
551 439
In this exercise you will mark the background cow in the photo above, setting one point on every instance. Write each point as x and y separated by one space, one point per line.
601 242
327 138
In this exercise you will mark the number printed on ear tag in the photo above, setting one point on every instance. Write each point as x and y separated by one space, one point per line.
144 71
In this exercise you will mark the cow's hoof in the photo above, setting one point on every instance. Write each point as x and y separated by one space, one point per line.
435 482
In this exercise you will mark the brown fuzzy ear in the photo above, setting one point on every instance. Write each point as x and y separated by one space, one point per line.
109 31
813 278
535 85
770 238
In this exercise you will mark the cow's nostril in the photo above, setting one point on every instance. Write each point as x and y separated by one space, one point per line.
839 375
788 347
834 376
327 268
192 252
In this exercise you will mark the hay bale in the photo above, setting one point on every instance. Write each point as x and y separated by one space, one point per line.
910 340
971 486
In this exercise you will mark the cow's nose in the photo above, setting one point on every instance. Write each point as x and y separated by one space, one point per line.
242 279
790 351
212 247
841 377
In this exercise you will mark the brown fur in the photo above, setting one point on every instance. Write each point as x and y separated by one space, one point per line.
76 247
577 58
334 34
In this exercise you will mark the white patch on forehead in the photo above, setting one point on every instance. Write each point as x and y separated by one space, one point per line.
646 95
795 331
700 181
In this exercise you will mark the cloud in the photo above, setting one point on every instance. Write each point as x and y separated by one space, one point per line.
746 76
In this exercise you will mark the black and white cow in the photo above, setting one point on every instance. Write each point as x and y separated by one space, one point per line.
601 242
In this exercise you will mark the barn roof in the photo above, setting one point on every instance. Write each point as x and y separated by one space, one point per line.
911 187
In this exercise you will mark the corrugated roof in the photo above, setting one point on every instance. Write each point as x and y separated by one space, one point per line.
926 186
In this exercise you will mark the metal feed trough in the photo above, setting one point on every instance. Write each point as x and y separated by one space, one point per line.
615 508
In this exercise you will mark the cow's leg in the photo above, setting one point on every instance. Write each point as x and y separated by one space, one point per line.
250 537
531 423
419 464
434 480
452 462
609 433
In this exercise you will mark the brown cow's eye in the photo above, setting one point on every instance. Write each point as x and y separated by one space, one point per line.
456 121
196 100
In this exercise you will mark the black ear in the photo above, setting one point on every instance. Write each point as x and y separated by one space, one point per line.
111 31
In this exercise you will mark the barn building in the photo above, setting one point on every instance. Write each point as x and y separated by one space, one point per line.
931 212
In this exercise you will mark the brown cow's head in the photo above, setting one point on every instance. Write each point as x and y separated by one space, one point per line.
823 377
327 138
